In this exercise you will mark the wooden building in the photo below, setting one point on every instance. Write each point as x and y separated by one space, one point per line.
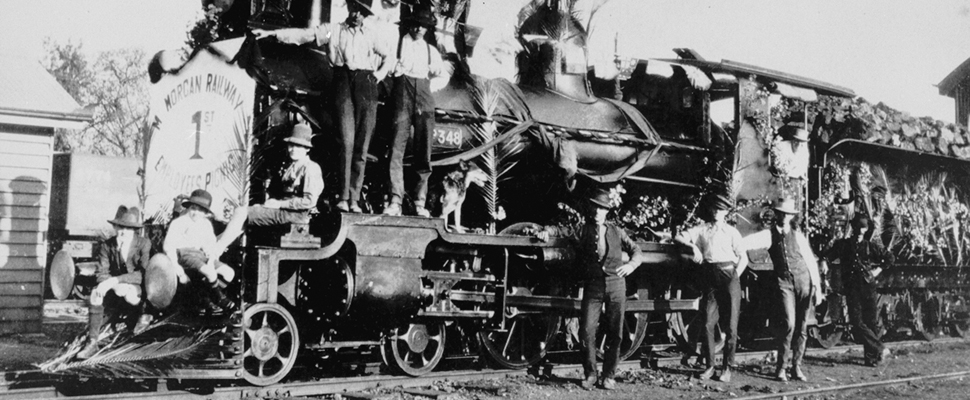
957 86
32 106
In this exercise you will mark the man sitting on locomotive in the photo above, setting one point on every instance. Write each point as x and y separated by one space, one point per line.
121 262
418 61
600 246
360 55
797 280
861 258
718 247
191 243
292 192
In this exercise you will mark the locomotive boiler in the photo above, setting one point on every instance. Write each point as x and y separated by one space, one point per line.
418 291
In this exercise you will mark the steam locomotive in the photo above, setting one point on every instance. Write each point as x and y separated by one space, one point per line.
420 291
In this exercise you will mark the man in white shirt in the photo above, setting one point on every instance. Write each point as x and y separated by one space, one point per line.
417 62
361 58
191 242
796 273
718 247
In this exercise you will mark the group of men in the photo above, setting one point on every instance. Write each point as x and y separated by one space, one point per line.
362 53
722 254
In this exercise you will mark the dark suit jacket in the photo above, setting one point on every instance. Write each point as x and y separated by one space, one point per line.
127 268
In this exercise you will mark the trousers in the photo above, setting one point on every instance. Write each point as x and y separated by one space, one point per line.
611 292
413 107
863 315
795 298
722 302
355 98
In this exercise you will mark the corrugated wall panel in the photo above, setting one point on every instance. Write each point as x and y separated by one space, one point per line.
25 176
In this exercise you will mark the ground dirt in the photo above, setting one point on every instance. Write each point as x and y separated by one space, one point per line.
750 379
19 352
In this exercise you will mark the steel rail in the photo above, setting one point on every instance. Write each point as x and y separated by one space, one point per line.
857 386
354 384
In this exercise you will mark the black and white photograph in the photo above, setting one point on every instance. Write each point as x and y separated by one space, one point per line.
485 199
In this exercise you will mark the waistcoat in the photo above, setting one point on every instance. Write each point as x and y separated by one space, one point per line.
594 267
785 253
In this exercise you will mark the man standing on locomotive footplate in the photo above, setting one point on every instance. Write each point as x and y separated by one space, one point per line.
361 58
599 250
862 260
797 278
717 246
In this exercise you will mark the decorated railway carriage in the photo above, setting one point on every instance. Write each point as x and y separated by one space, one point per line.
420 291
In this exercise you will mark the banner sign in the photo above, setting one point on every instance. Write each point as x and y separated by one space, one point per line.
201 125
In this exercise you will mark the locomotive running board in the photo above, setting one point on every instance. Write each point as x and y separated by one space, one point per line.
570 304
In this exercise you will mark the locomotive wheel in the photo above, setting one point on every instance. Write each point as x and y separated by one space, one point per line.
523 343
959 321
633 331
416 349
929 314
271 343
828 336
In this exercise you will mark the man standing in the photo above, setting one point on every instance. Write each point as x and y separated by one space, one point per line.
360 56
417 62
599 250
860 259
292 192
717 246
796 273
121 262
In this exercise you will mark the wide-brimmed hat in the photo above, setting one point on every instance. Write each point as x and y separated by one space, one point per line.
859 221
784 205
600 197
300 135
364 6
420 17
794 131
718 202
200 198
127 217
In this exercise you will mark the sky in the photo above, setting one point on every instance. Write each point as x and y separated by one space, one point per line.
891 51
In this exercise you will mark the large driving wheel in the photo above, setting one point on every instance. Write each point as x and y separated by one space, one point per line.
522 343
271 343
929 314
415 349
633 331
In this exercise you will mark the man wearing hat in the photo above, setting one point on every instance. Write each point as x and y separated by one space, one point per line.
797 279
790 151
599 251
718 247
361 57
417 62
121 262
293 191
862 260
191 243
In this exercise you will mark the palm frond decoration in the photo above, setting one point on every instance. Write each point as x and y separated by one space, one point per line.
493 97
545 28
164 346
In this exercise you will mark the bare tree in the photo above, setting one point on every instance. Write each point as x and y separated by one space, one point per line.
116 86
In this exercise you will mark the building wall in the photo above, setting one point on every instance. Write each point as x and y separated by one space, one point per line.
25 174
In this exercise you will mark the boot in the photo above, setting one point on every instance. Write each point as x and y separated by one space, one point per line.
95 318
726 375
780 374
222 303
797 374
707 374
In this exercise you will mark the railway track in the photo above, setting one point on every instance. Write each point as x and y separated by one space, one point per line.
34 385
